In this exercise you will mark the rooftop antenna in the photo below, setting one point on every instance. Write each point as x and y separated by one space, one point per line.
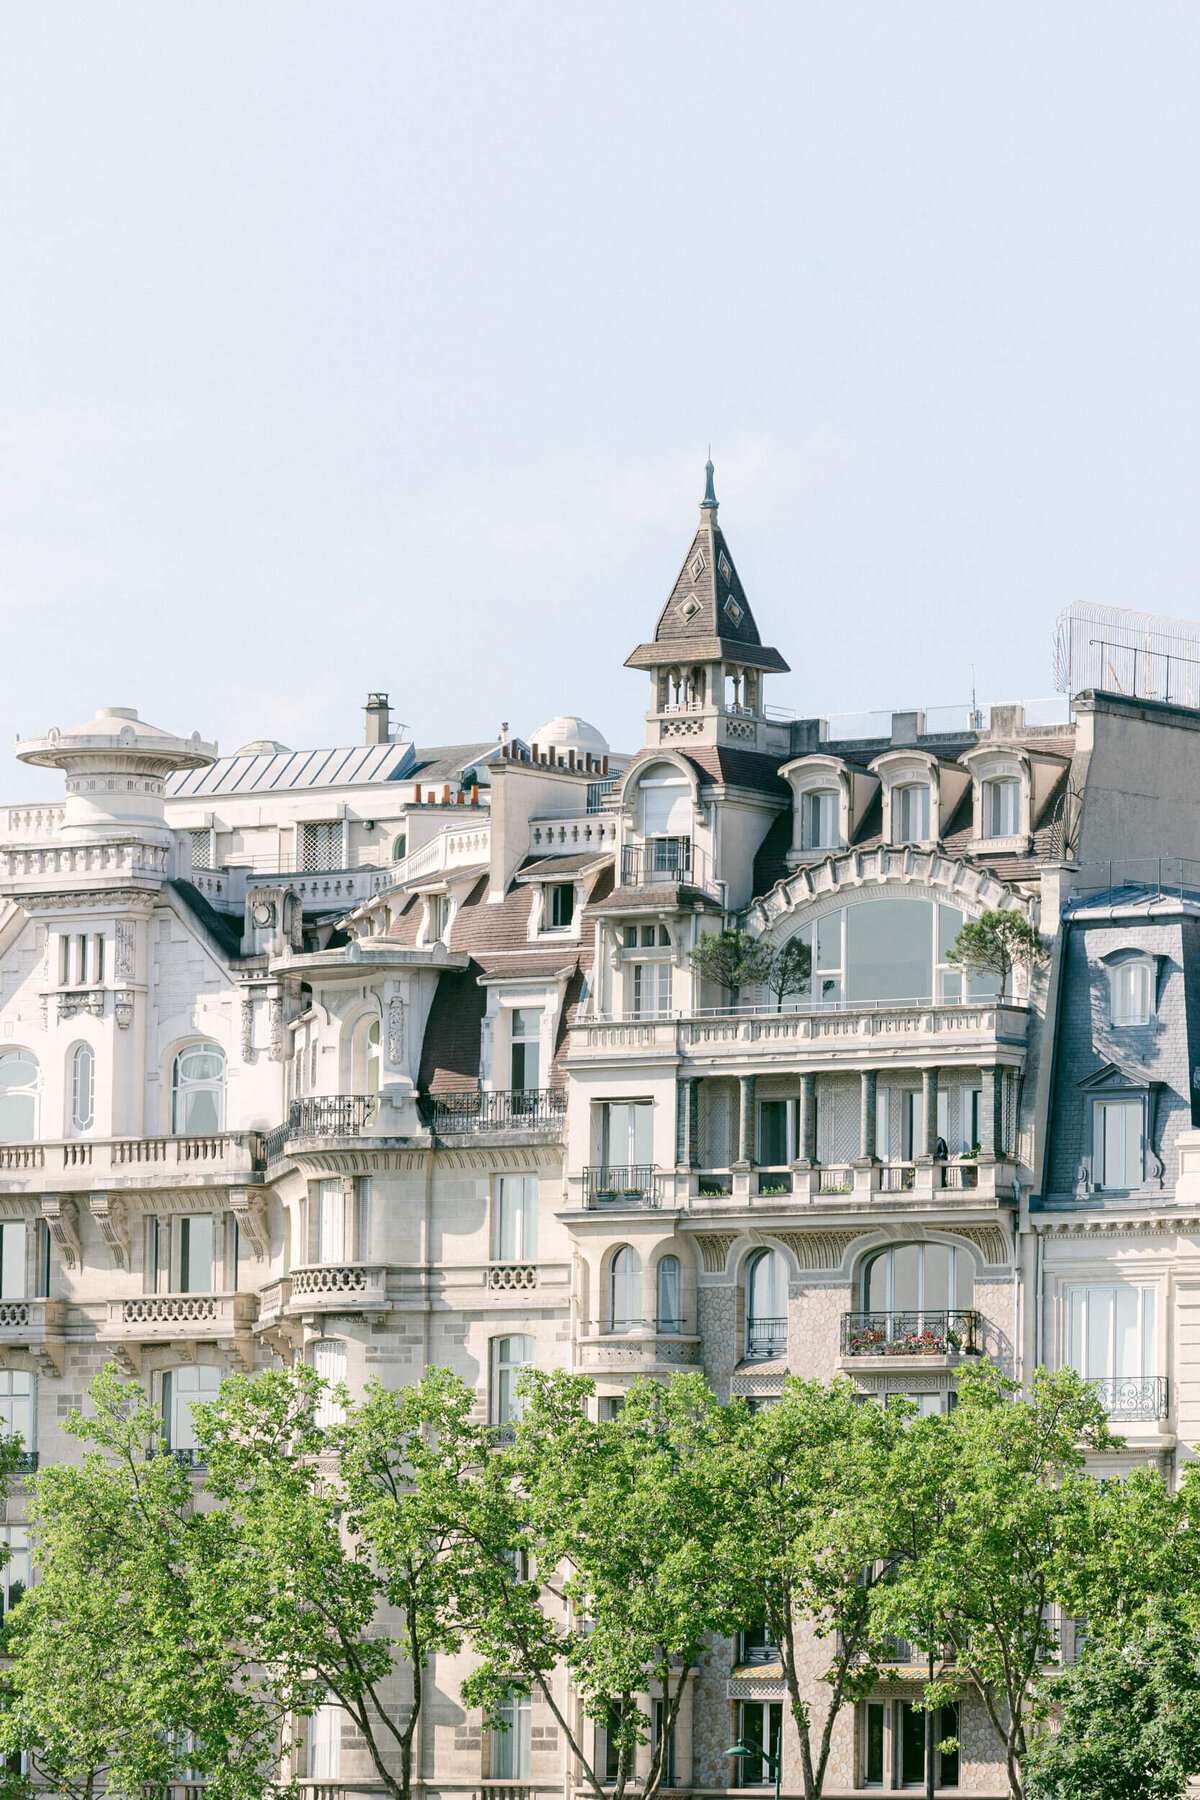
974 708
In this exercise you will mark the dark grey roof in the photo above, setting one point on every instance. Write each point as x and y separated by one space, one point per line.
446 762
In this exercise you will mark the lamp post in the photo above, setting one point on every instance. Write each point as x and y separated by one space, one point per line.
774 1762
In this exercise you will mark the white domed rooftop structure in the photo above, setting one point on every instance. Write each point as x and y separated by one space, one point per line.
569 732
116 767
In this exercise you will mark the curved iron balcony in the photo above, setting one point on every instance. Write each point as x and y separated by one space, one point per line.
510 1109
949 1333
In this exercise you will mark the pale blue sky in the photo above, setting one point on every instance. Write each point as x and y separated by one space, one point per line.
378 345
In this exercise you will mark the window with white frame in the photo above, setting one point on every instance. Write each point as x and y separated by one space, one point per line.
15 1574
510 1738
910 813
83 1089
1118 1143
331 1221
627 1134
1111 1331
760 1728
516 1218
819 820
624 1289
325 1743
197 1243
181 1389
650 989
1001 799
509 1356
666 803
322 844
559 906
198 1091
329 1362
1131 988
525 1048
16 1406
917 1278
12 1260
19 1085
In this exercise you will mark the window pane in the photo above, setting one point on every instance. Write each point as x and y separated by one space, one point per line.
668 1294
873 1761
938 1287
1126 1332
1099 1333
875 1284
829 941
889 950
196 1254
950 923
12 1261
906 1263
772 1133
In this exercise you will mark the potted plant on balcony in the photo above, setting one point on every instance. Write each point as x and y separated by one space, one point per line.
994 944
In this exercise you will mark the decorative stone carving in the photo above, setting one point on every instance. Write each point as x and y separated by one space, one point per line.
108 1210
249 1209
395 1030
714 1248
818 1249
62 1220
123 1008
125 948
276 1022
89 1000
247 1027
989 1239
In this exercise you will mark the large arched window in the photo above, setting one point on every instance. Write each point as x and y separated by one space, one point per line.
917 1278
18 1096
624 1289
669 1314
766 1304
83 1089
198 1091
509 1356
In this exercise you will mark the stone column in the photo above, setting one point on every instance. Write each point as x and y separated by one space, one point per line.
806 1134
693 1124
991 1122
867 1117
745 1143
687 1122
929 1111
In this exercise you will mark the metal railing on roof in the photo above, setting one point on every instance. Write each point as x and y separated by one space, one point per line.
1129 877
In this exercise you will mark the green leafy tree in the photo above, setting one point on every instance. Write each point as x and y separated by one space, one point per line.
126 1667
732 959
342 1541
810 1492
1126 1719
1000 1514
994 944
791 969
588 1545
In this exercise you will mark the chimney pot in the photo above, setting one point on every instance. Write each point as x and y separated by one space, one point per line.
379 719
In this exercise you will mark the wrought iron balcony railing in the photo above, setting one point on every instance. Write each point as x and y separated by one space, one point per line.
621 1184
1134 1396
511 1109
318 1115
765 1337
660 861
947 1333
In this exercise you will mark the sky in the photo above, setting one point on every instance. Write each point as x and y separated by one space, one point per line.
358 344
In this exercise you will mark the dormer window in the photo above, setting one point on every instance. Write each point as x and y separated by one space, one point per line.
820 820
560 906
1131 987
910 813
1001 807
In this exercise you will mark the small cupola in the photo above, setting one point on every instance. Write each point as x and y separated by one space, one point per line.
706 660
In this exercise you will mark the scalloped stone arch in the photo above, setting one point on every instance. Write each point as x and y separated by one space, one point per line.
920 874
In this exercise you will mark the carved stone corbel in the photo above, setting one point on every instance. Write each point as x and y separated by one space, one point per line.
128 1358
62 1221
250 1213
108 1210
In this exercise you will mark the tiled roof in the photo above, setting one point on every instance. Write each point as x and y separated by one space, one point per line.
569 864
707 617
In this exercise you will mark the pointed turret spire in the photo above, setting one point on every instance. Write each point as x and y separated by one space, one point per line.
709 502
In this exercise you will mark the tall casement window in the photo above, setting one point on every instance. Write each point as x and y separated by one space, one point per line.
624 1289
1001 807
181 1389
509 1356
917 1278
331 1221
322 844
83 1089
12 1260
627 1134
198 1091
196 1246
760 1726
669 1759
16 1405
650 989
329 1362
560 906
819 820
516 1218
325 1744
1131 988
670 1316
910 813
18 1096
1111 1331
910 1745
15 1573
766 1304
1118 1143
510 1745
525 1038
773 1133
366 1052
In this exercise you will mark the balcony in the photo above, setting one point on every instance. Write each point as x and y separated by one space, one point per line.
88 1163
35 1325
516 1109
1134 1398
318 1116
338 1287
949 1333
765 1338
618 1185
179 1319
640 1346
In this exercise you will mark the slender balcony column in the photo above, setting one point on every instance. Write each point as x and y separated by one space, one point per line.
687 1121
867 1119
806 1124
745 1142
693 1124
929 1112
991 1122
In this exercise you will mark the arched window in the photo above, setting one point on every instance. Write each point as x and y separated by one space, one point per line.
819 820
366 1055
669 1316
1001 807
666 802
624 1289
910 813
1132 993
916 1278
509 1356
18 1096
198 1091
83 1089
399 848
766 1304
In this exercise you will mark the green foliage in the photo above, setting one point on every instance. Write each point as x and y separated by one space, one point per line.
791 969
731 959
994 944
1127 1720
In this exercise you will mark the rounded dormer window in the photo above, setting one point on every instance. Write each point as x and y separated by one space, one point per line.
910 813
819 820
1001 799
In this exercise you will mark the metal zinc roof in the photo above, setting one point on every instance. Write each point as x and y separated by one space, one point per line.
274 774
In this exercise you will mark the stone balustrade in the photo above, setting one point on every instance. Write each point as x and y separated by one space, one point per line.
338 1287
87 1163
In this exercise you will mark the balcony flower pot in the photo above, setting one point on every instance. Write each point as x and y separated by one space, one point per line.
634 1194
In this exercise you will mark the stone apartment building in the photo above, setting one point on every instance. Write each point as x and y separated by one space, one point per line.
388 1058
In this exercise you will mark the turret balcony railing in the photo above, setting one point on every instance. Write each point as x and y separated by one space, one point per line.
509 1109
953 1332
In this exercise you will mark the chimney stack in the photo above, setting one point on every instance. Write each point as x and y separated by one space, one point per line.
379 719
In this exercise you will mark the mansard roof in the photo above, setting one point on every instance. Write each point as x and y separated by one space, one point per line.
708 617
